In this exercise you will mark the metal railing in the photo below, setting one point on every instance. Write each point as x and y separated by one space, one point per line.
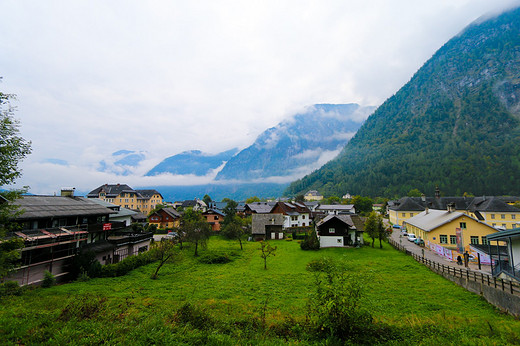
509 286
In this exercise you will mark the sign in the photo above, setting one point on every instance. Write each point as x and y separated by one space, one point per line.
460 245
107 226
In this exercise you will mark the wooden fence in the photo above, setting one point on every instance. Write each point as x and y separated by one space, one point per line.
509 286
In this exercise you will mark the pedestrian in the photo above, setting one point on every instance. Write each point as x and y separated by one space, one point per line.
459 260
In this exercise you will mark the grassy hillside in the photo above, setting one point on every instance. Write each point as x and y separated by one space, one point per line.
240 302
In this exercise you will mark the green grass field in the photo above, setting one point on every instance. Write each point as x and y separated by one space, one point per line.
240 302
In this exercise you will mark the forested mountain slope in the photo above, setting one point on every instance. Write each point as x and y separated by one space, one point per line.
455 124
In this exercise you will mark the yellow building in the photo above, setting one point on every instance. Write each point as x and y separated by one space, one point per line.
491 210
312 195
124 196
450 229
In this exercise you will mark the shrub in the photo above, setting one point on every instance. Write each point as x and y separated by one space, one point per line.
10 288
311 242
128 264
193 315
48 279
215 258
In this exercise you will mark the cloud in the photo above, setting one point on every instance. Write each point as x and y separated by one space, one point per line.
163 77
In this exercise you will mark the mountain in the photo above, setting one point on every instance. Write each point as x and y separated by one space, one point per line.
298 145
122 162
455 124
192 162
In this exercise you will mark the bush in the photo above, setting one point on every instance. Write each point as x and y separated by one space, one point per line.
128 264
311 242
82 307
48 279
10 288
193 315
215 258
85 263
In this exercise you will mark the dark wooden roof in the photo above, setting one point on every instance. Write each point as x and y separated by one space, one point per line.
37 207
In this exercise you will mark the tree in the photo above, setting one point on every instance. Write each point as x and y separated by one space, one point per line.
207 199
374 227
414 193
299 198
195 229
363 205
253 199
267 251
157 208
230 211
164 250
13 149
311 241
237 229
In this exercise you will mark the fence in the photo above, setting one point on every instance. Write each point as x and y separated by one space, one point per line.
508 286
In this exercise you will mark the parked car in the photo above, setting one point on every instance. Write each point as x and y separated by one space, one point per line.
419 241
403 231
396 226
411 237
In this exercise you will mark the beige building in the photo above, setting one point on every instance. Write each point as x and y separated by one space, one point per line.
312 195
123 195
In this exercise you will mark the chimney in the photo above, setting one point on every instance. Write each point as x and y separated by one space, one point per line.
451 207
423 197
67 191
426 210
437 192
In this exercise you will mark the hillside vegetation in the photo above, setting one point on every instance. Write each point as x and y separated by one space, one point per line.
193 302
455 124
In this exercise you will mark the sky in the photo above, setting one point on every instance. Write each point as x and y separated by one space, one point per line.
95 77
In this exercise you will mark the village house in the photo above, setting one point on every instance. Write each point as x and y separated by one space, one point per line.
312 195
125 196
340 230
295 214
57 228
267 226
493 211
214 218
258 208
335 209
165 218
450 229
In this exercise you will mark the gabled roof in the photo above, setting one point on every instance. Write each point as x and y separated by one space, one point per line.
260 207
120 211
147 194
35 207
429 220
170 211
354 221
491 204
111 190
213 211
287 208
344 207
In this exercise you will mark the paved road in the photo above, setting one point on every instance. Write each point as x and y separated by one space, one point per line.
431 255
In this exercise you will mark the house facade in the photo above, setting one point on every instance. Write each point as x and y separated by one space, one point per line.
214 218
125 196
165 218
267 226
313 195
295 214
340 231
449 228
490 210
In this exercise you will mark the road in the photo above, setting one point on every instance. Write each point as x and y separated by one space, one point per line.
399 238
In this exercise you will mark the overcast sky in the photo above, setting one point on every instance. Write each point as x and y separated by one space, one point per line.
162 77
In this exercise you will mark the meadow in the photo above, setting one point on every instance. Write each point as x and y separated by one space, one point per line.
239 302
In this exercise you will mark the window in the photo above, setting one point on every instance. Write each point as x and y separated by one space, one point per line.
453 239
339 241
463 225
492 216
215 217
473 239
411 214
443 239
502 216
484 240
513 216
504 225
493 224
332 230
403 214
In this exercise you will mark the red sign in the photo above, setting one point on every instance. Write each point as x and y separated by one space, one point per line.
107 226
